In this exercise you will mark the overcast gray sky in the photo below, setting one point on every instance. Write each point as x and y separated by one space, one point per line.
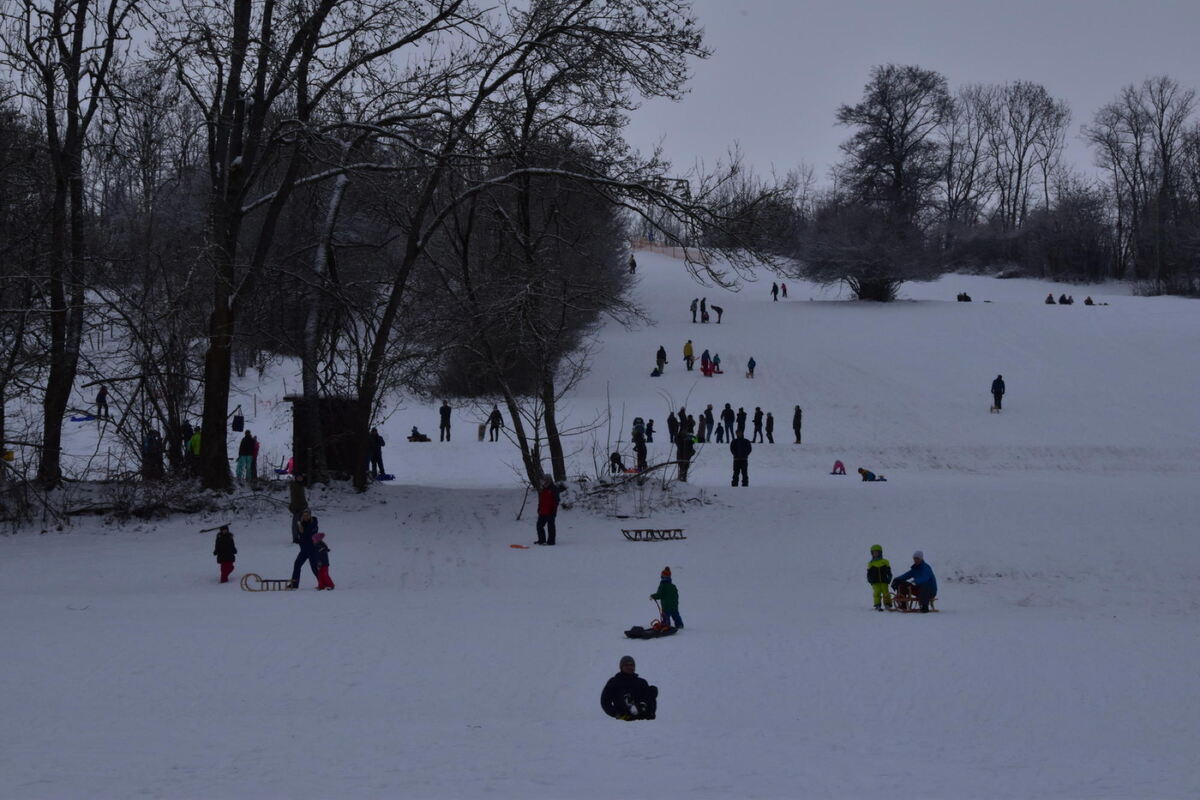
781 68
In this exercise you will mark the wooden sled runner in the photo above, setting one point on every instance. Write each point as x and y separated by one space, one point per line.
652 534
904 599
253 583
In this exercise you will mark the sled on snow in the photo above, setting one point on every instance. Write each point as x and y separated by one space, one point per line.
652 534
904 599
253 583
638 632
83 418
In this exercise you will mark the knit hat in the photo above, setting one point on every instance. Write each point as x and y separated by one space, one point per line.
666 573
318 537
919 554
876 547
627 660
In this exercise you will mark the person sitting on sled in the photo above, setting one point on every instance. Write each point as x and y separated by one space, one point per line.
668 595
628 697
922 575
879 575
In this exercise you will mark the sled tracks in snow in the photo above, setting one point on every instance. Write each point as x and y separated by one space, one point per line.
253 583
653 534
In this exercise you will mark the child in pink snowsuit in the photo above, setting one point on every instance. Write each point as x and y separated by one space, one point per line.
322 561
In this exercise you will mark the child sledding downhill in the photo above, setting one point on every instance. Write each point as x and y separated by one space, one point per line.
225 551
668 596
879 575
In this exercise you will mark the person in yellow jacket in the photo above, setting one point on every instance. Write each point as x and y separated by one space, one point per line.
689 355
879 575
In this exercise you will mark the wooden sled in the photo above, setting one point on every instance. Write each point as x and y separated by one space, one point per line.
904 599
253 583
652 534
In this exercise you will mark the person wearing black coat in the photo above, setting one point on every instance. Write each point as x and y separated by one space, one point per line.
628 697
102 402
495 423
650 431
639 449
444 423
741 447
770 428
758 423
727 416
709 424
302 534
376 445
225 551
998 390
797 421
741 421
685 448
672 426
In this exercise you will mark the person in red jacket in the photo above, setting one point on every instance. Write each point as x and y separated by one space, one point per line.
548 498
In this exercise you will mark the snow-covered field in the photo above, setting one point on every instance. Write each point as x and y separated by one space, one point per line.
1063 662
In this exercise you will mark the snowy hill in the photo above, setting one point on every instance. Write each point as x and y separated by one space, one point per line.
447 664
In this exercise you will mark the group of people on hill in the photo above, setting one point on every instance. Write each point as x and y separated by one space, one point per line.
685 431
709 364
1069 300
490 427
305 532
700 304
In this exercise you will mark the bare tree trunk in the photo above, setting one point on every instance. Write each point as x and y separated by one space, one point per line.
314 301
558 462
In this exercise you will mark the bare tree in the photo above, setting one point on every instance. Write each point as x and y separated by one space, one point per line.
963 188
64 54
1025 128
893 159
1139 140
261 77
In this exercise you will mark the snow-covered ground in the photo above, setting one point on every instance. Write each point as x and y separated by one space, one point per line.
1062 664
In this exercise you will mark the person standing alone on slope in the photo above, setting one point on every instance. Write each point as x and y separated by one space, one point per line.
998 391
548 498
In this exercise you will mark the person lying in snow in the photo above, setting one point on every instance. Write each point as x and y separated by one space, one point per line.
869 476
628 697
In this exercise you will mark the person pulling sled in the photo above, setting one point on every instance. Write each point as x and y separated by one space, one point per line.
668 596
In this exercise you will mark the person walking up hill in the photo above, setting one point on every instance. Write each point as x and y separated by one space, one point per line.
998 391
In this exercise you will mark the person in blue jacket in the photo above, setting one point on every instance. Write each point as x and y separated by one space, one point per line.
922 575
